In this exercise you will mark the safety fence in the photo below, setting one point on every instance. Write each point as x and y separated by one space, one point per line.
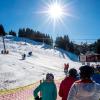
22 93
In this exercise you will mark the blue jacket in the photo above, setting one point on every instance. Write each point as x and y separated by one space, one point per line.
96 77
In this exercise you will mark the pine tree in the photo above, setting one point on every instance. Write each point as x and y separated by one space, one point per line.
12 33
2 31
21 33
98 46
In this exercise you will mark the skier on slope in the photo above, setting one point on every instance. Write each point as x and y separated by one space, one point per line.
24 56
66 66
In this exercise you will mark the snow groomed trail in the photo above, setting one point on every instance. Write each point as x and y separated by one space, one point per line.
23 93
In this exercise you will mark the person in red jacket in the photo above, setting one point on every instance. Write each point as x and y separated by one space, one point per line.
66 66
67 83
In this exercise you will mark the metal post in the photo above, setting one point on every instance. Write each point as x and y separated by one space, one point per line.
4 44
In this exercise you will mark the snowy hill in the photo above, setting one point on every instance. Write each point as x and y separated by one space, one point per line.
15 72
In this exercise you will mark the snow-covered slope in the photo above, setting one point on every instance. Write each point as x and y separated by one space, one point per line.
15 72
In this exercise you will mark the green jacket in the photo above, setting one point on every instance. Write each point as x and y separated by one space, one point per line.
48 89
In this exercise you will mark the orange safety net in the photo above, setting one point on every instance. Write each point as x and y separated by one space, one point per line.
22 93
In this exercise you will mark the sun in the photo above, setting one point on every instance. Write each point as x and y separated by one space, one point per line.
55 11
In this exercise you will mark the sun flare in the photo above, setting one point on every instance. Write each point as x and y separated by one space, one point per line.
55 11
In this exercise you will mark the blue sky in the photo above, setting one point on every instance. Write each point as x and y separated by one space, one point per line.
85 23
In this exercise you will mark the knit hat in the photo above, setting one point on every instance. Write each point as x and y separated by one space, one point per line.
86 71
73 72
49 76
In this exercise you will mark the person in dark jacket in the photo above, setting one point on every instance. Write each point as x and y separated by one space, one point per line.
67 83
48 89
24 56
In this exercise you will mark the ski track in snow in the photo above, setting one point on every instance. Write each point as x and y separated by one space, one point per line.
15 72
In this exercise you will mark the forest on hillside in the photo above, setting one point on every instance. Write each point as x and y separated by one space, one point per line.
62 42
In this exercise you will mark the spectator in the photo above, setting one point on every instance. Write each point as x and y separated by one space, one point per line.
85 88
66 83
98 68
47 88
96 77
